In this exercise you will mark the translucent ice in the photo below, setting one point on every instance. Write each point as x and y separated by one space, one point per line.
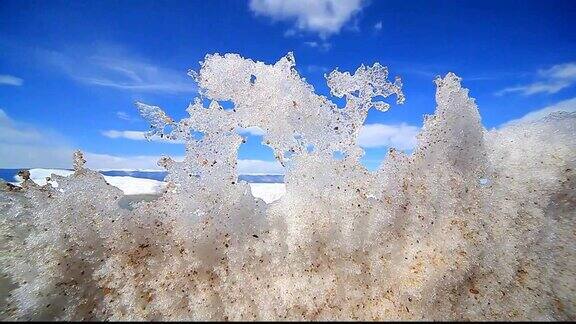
474 225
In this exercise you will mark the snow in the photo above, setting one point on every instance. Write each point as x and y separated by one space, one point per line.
136 186
268 192
129 185
472 225
39 175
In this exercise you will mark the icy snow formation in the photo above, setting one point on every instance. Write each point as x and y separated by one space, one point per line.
473 225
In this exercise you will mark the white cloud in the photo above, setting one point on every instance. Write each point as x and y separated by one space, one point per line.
561 71
400 136
136 136
149 162
537 87
10 80
123 115
252 130
316 69
323 46
259 167
98 161
324 17
24 146
566 105
378 26
290 33
113 67
132 135
140 135
553 80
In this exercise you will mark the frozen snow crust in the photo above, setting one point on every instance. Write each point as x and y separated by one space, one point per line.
474 225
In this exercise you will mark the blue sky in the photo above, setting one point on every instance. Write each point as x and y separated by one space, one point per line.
70 71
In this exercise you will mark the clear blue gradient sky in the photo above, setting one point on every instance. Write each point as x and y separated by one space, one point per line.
70 71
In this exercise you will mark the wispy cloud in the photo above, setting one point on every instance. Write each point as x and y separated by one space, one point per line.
141 136
324 17
400 136
551 81
566 105
124 116
323 46
378 26
98 161
25 146
131 135
150 162
259 167
136 136
537 87
10 80
113 67
252 130
316 69
562 71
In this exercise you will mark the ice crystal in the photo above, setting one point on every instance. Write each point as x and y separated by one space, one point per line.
473 225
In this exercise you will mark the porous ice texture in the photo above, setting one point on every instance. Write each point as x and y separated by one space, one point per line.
473 225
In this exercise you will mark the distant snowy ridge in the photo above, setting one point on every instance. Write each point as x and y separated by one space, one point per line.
267 187
9 175
129 185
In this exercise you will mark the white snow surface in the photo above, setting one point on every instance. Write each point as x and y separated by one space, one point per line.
135 186
268 192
